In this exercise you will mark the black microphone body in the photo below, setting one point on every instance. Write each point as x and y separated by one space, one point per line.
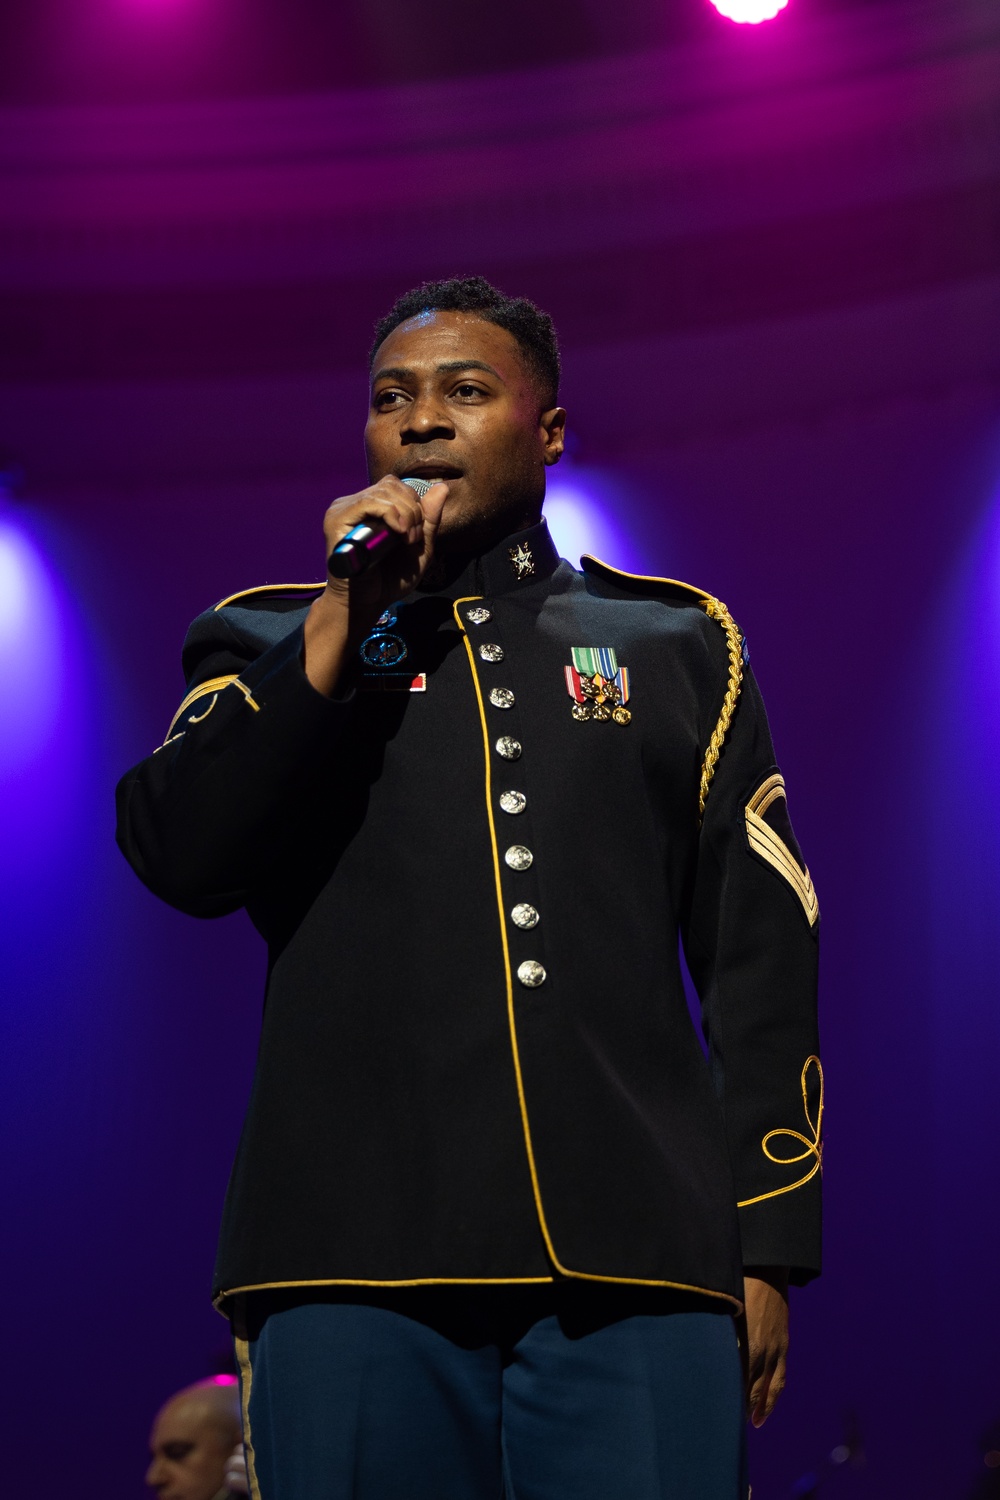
367 543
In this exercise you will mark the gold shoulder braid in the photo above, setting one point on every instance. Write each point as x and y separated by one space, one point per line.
716 610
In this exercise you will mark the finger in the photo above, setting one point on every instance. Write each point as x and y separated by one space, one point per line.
775 1387
765 1391
341 518
756 1365
398 514
759 1409
236 1472
402 494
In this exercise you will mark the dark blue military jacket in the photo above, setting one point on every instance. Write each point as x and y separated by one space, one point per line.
471 869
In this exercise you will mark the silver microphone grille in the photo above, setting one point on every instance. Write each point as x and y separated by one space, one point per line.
420 485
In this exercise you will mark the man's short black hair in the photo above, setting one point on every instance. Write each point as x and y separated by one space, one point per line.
532 328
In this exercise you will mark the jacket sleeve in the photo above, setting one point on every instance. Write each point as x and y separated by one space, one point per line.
751 945
247 745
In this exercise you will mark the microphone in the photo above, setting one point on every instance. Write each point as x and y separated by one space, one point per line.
367 544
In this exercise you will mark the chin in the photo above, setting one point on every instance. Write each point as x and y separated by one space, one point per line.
459 529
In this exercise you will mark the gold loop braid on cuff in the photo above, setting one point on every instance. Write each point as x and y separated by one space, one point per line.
812 1146
716 610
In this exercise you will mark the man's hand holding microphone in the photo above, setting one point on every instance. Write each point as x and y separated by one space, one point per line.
345 612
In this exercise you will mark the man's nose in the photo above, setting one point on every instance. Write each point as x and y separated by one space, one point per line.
427 417
154 1474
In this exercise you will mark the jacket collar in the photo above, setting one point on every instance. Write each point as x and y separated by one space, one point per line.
521 559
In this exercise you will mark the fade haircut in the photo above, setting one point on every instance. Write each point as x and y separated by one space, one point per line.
533 329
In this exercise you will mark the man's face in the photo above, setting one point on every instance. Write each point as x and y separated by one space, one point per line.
452 398
189 1449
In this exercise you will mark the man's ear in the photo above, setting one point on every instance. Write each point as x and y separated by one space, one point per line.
553 426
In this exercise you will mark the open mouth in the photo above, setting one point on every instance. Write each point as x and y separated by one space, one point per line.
430 470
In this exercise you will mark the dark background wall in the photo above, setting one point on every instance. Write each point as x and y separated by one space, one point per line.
773 257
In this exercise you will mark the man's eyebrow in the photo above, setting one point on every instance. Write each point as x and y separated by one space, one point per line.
392 372
400 372
470 364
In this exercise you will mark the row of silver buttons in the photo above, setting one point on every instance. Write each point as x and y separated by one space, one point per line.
518 857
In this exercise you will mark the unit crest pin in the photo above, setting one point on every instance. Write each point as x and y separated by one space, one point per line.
382 651
381 648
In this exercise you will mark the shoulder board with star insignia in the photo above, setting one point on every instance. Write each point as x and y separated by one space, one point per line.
273 594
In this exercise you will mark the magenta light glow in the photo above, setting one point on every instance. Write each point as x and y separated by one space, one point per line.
751 11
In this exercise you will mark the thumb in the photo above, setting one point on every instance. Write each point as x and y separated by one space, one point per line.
432 504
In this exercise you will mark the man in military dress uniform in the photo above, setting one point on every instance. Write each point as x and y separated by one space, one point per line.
494 1218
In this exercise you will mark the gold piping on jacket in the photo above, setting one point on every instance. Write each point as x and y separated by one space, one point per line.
812 1145
214 685
522 1102
270 588
715 610
246 1379
675 583
279 1286
772 848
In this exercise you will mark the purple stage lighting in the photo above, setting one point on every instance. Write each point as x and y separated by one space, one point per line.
749 11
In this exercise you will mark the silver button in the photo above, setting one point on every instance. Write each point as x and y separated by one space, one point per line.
491 652
531 974
513 802
508 748
518 857
501 697
479 615
524 916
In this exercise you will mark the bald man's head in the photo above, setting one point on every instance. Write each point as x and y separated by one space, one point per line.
193 1435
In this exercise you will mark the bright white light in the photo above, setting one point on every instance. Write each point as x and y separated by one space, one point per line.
23 588
31 655
579 524
18 570
749 10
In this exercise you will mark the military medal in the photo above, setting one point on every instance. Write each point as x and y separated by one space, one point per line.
598 686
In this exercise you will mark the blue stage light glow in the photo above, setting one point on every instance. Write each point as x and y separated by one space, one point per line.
31 661
44 668
588 510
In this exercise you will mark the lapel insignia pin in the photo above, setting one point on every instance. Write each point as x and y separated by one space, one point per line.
522 560
598 686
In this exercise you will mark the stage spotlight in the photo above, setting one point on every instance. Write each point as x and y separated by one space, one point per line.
749 11
580 522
